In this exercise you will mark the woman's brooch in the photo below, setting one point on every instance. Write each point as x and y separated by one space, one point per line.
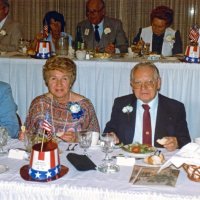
76 110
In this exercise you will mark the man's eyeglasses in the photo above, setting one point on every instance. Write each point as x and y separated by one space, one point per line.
147 84
94 12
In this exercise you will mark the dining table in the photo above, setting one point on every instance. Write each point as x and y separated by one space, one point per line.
102 80
90 184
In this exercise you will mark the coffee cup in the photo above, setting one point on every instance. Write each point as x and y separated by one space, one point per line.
80 54
95 138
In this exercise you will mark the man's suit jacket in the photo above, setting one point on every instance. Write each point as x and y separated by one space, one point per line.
9 42
171 120
112 33
8 108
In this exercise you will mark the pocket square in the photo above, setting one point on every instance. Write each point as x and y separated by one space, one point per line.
81 162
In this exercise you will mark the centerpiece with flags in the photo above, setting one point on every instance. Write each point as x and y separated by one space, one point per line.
192 53
44 160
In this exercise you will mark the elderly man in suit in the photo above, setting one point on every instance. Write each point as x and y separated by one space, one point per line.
102 33
8 108
10 31
166 117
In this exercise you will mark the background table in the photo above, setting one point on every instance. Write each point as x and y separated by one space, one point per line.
89 185
102 81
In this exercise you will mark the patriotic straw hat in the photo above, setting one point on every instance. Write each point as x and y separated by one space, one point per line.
44 165
43 50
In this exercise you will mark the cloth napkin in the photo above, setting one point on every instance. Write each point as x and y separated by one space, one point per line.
81 162
188 154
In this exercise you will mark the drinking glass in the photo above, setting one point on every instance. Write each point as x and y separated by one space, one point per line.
29 140
107 143
85 140
3 140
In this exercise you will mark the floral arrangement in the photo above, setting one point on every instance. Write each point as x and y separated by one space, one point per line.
76 110
127 109
107 30
3 32
170 38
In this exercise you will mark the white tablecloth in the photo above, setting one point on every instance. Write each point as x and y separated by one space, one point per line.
102 81
89 185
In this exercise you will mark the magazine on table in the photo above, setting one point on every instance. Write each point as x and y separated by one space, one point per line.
149 176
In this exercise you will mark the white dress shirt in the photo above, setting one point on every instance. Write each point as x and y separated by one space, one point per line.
139 119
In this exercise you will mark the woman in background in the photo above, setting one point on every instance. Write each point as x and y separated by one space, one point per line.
53 29
163 39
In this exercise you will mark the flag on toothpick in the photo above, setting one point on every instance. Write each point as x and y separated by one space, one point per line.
45 31
194 33
47 126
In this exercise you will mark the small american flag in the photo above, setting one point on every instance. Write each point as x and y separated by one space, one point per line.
47 126
45 31
194 34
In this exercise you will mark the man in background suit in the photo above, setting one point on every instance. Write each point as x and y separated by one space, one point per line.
8 108
110 30
168 117
10 31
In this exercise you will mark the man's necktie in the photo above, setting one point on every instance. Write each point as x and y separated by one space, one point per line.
146 125
96 32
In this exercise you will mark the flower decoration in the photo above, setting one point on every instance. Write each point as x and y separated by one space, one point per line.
3 32
76 110
107 30
87 31
127 109
170 38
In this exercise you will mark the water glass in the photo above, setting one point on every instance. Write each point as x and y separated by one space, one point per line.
85 140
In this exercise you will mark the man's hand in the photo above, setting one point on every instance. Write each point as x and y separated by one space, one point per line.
116 139
110 48
170 143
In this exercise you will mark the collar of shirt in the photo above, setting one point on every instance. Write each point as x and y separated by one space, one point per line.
139 119
2 22
100 29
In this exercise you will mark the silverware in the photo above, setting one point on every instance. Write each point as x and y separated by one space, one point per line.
73 148
68 148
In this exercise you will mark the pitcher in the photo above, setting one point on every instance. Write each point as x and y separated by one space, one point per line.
62 45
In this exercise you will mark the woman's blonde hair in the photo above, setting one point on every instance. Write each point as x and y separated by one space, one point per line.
61 64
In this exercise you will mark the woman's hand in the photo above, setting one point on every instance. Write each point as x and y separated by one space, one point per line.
21 135
69 137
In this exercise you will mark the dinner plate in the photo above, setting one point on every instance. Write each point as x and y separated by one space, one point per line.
137 155
3 168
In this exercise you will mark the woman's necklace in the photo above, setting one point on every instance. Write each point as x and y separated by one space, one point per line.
59 133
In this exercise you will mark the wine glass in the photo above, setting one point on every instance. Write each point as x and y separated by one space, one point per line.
107 143
85 140
3 140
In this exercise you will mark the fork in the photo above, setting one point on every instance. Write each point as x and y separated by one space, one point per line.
73 148
68 148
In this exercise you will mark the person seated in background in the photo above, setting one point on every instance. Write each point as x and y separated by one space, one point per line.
162 39
66 111
10 31
8 109
53 29
166 117
101 33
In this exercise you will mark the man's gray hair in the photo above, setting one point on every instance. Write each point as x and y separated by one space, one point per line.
145 64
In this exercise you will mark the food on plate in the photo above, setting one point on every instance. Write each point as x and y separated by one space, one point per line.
156 159
161 141
102 55
31 52
140 148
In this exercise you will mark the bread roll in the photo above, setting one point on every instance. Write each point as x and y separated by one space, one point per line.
161 141
155 159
